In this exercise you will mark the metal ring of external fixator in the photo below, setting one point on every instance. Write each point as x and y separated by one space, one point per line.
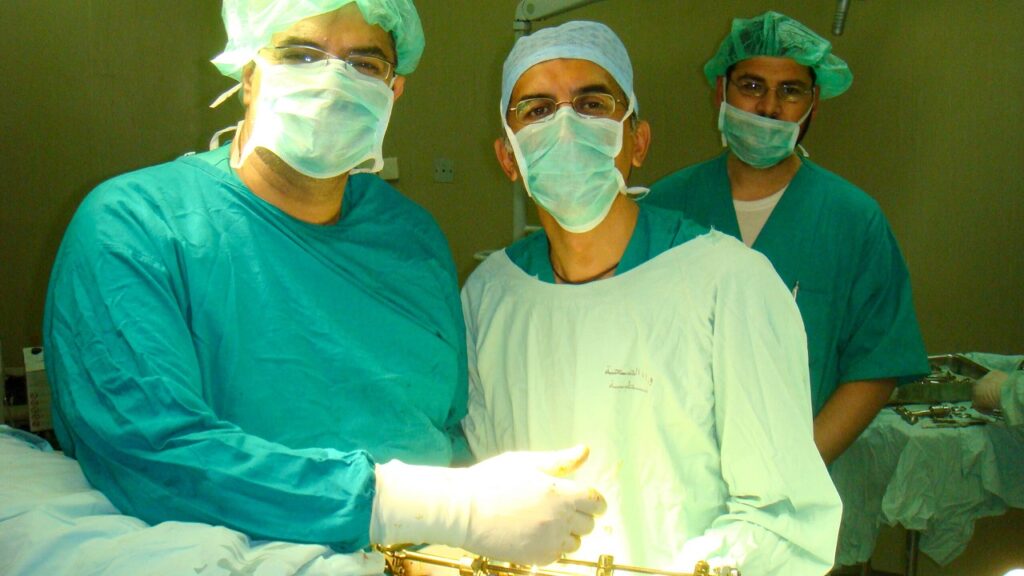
470 565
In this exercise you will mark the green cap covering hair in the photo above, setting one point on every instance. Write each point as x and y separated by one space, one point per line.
774 34
251 23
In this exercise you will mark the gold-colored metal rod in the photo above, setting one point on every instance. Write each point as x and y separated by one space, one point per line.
623 568
425 558
480 565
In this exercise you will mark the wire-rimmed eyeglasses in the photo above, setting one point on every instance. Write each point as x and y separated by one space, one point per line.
372 66
588 105
792 92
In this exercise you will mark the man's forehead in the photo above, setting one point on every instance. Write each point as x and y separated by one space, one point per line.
574 75
341 28
772 67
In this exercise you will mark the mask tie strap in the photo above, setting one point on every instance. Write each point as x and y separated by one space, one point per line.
722 111
803 151
227 94
637 192
215 139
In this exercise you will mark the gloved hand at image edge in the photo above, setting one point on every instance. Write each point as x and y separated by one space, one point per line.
512 507
1003 390
987 390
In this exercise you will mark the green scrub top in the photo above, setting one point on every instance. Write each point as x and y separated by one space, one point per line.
834 249
656 231
215 360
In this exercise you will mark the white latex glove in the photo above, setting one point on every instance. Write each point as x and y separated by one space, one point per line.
511 507
985 395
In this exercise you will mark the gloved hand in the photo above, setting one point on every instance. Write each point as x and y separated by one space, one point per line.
511 507
987 389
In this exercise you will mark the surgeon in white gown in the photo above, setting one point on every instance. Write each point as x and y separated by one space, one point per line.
675 353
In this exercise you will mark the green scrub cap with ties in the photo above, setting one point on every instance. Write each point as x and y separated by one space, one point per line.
774 34
251 23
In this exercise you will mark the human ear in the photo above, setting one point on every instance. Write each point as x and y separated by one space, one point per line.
247 83
398 87
641 143
506 159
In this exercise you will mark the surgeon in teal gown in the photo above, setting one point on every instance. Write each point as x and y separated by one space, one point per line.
265 338
828 240
187 314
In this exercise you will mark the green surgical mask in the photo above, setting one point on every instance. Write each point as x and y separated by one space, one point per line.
759 141
322 120
568 166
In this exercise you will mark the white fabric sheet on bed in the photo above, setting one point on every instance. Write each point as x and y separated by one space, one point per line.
53 522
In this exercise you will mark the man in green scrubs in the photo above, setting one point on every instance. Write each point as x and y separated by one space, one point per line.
827 239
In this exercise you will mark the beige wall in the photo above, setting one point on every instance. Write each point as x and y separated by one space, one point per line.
933 128
91 88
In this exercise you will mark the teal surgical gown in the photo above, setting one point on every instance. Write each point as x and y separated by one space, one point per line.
213 359
656 230
833 247
686 375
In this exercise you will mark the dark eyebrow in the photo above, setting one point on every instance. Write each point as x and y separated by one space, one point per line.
359 50
754 77
592 88
794 82
371 51
532 96
589 89
296 41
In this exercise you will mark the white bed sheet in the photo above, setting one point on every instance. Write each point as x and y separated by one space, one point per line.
52 522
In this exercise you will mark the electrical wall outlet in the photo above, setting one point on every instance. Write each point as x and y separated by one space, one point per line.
444 170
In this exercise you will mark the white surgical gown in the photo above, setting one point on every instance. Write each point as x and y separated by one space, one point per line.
687 376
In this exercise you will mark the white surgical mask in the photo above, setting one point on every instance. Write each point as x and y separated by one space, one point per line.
568 166
322 120
759 141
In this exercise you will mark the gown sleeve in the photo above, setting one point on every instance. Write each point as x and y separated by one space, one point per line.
880 334
478 424
130 406
462 455
782 512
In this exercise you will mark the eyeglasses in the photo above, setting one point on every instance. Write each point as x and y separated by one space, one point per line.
589 105
787 92
371 66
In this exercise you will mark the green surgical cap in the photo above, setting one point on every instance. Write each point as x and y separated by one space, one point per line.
774 34
251 23
578 40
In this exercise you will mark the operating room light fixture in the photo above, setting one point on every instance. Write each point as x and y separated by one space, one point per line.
530 11
839 21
